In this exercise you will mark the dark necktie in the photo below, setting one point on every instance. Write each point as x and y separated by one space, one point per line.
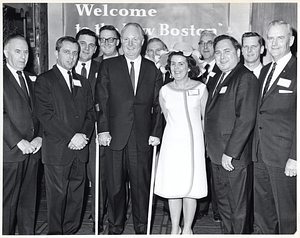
23 85
83 70
218 85
205 74
71 81
132 76
267 85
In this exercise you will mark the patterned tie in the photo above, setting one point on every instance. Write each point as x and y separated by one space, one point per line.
205 74
71 81
23 85
217 88
267 85
132 76
83 70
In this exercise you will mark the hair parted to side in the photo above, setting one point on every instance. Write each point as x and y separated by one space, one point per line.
60 41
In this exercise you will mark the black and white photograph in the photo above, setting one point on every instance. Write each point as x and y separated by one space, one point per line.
149 118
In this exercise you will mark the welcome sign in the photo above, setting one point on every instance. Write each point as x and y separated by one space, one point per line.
172 22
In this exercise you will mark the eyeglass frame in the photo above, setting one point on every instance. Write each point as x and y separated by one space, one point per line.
109 40
207 44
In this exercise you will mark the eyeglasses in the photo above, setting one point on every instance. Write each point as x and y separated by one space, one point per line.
207 44
109 40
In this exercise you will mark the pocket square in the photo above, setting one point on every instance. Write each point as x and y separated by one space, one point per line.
285 91
223 90
32 78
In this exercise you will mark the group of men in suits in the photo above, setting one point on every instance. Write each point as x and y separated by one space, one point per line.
250 119
247 119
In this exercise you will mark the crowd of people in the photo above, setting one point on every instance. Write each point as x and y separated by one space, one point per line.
224 123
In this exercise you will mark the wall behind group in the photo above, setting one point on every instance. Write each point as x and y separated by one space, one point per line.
172 22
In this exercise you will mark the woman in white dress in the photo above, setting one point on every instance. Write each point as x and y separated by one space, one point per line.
181 173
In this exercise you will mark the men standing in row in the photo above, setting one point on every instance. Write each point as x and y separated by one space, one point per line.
21 141
229 122
209 73
129 123
65 109
274 146
88 68
252 49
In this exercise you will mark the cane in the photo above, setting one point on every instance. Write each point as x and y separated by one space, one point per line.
97 182
151 190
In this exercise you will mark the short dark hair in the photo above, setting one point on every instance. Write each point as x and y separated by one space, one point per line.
192 64
155 39
59 42
253 34
86 31
11 37
234 42
110 28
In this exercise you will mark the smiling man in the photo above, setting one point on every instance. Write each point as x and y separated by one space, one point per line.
274 151
129 122
252 49
229 121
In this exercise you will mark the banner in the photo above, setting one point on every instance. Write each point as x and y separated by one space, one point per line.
171 22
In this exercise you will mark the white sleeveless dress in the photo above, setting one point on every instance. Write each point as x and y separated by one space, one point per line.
181 168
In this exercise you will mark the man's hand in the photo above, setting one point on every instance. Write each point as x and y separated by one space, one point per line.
37 143
104 138
226 162
154 141
291 168
25 147
78 142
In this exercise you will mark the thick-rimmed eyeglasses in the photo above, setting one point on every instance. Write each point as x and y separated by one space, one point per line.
109 40
207 44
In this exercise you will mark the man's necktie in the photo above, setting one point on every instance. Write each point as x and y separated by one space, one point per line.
205 74
217 88
23 85
132 76
83 70
71 81
267 85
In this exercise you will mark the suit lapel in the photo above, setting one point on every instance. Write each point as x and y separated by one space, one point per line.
14 82
281 75
61 80
141 74
126 71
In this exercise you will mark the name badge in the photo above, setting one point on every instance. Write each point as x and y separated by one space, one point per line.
223 90
77 83
32 78
284 82
193 92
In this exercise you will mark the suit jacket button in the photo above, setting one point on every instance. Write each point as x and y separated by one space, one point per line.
131 118
260 127
260 112
77 116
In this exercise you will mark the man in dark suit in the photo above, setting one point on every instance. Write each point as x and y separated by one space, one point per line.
229 122
209 73
274 146
65 109
88 68
21 141
129 123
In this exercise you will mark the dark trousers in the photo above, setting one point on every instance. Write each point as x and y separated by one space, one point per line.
91 173
203 203
136 165
65 187
234 190
19 196
274 200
